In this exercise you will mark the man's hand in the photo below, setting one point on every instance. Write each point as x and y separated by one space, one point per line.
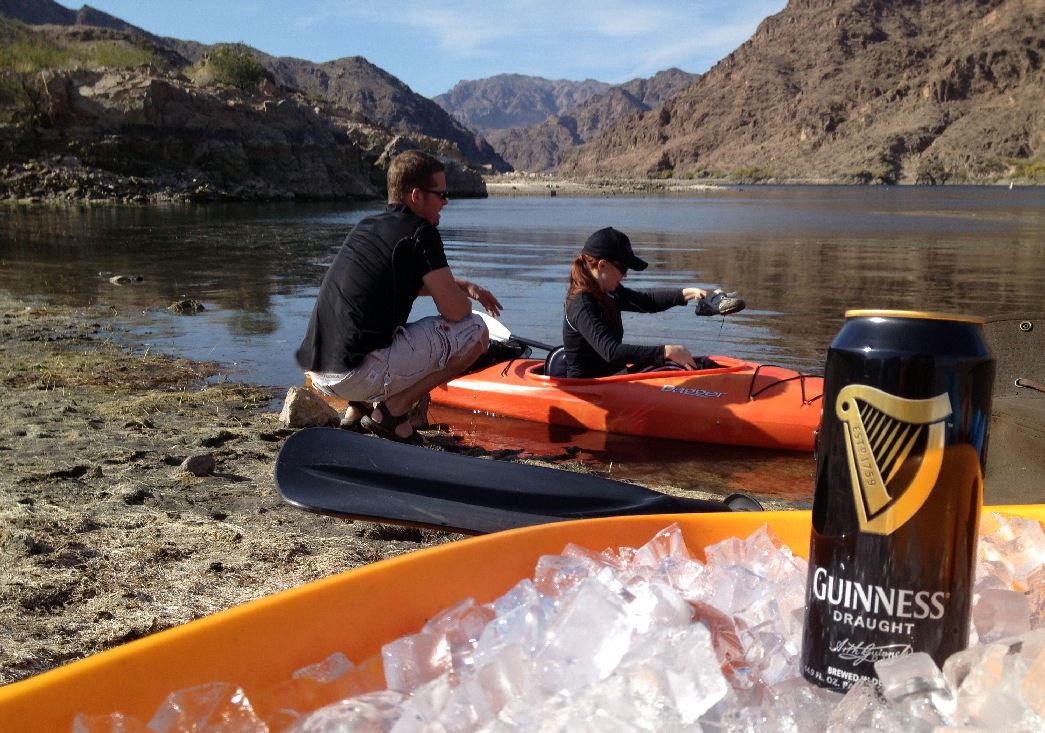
483 296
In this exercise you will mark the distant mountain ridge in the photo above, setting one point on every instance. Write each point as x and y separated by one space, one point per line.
514 100
541 147
850 90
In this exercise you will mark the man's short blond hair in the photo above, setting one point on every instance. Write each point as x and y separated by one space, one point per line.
410 170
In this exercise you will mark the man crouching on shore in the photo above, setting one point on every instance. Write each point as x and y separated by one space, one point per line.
359 346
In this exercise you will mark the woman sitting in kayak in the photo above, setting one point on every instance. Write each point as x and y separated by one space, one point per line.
592 332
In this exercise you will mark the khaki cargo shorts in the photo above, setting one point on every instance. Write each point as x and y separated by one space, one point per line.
418 349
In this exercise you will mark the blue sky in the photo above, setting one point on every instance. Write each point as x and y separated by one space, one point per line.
432 44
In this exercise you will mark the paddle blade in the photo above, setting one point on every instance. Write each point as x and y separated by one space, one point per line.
337 472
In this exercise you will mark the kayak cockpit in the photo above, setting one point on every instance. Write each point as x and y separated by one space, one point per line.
534 371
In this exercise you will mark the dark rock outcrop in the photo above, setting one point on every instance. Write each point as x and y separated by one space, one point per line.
142 134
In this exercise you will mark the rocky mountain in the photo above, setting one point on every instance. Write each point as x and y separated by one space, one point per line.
351 84
514 100
156 127
354 84
852 90
541 147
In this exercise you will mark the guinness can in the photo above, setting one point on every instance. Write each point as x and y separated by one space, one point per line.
899 486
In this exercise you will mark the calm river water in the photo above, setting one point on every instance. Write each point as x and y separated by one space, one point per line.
800 256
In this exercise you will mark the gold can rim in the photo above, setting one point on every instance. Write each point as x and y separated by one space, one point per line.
923 315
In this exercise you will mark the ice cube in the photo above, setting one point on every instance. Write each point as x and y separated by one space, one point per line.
412 660
762 553
693 672
420 712
863 709
666 547
328 670
217 706
909 674
523 626
989 682
998 614
374 711
606 557
917 688
656 605
523 594
556 574
461 624
310 688
586 639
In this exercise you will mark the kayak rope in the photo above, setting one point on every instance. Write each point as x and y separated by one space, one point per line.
800 377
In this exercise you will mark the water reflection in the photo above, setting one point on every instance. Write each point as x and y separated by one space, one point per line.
800 256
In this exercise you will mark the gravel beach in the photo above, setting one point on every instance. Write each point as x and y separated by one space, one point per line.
104 536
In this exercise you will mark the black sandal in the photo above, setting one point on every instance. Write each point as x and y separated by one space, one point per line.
387 427
347 424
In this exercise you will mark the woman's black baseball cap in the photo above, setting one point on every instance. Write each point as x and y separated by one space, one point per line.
613 245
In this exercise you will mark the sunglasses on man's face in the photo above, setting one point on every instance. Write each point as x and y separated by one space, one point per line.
623 268
444 195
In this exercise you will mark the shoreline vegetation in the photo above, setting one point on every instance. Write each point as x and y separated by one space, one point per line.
105 535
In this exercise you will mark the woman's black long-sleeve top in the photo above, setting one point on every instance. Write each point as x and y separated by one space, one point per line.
594 348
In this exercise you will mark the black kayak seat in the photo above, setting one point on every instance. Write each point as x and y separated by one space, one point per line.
555 362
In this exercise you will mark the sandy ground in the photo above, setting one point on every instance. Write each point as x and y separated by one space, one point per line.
104 538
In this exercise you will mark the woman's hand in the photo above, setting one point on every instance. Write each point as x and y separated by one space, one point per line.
681 356
693 293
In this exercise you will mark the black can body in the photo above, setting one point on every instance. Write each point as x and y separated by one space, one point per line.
899 487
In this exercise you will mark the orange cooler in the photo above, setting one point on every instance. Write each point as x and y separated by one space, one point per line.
261 643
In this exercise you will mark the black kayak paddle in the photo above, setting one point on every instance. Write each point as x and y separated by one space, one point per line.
346 474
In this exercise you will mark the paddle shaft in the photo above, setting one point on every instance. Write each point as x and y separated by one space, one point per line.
534 344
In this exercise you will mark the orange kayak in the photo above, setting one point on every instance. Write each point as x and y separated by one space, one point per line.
741 403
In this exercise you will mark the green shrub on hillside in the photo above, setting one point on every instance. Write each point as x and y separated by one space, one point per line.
1029 168
235 66
108 54
35 52
751 175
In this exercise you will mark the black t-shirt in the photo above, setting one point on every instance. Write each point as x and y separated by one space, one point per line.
594 348
369 289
